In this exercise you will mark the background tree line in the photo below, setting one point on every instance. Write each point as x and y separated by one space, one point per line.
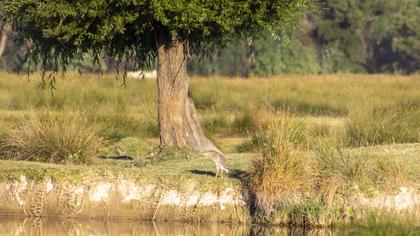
350 36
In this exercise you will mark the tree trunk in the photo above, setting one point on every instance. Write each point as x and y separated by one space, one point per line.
250 57
178 121
4 37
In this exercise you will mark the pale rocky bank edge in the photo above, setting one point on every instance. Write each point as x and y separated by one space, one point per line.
125 199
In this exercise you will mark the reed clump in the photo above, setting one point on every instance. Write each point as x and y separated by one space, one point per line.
296 182
279 173
51 138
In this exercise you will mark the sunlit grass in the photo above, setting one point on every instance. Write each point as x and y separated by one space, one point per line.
226 105
51 138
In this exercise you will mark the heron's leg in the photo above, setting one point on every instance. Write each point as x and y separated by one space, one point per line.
217 172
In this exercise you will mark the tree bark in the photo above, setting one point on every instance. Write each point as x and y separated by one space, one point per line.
250 57
4 37
178 120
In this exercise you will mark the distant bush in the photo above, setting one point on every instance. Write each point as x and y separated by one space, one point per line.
52 139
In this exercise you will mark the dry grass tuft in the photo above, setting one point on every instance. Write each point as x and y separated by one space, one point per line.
279 172
50 138
343 172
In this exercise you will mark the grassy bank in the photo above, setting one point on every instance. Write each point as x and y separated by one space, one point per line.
317 206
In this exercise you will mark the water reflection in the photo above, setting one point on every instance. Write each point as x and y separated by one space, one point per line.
48 226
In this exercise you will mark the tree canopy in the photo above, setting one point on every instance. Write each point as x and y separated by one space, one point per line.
62 30
351 36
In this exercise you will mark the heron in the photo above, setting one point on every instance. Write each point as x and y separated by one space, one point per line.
219 160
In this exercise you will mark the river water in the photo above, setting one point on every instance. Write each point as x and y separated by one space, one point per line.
47 227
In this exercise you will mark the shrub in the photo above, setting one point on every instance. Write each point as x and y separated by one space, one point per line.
49 138
279 173
292 186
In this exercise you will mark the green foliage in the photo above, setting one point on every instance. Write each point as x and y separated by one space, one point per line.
244 123
64 30
369 36
217 124
274 55
349 36
284 56
307 215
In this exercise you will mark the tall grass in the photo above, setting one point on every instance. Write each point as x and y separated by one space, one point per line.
50 138
394 123
305 185
129 111
226 105
279 173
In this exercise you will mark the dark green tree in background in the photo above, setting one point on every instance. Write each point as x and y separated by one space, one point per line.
370 36
348 36
62 31
273 55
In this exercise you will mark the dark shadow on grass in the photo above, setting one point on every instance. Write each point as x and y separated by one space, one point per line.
118 158
202 172
233 173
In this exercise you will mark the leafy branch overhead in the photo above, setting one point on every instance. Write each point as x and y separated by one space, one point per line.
62 30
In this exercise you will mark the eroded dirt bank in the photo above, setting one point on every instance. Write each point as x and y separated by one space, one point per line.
123 198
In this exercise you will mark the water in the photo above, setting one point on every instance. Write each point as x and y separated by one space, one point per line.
46 227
